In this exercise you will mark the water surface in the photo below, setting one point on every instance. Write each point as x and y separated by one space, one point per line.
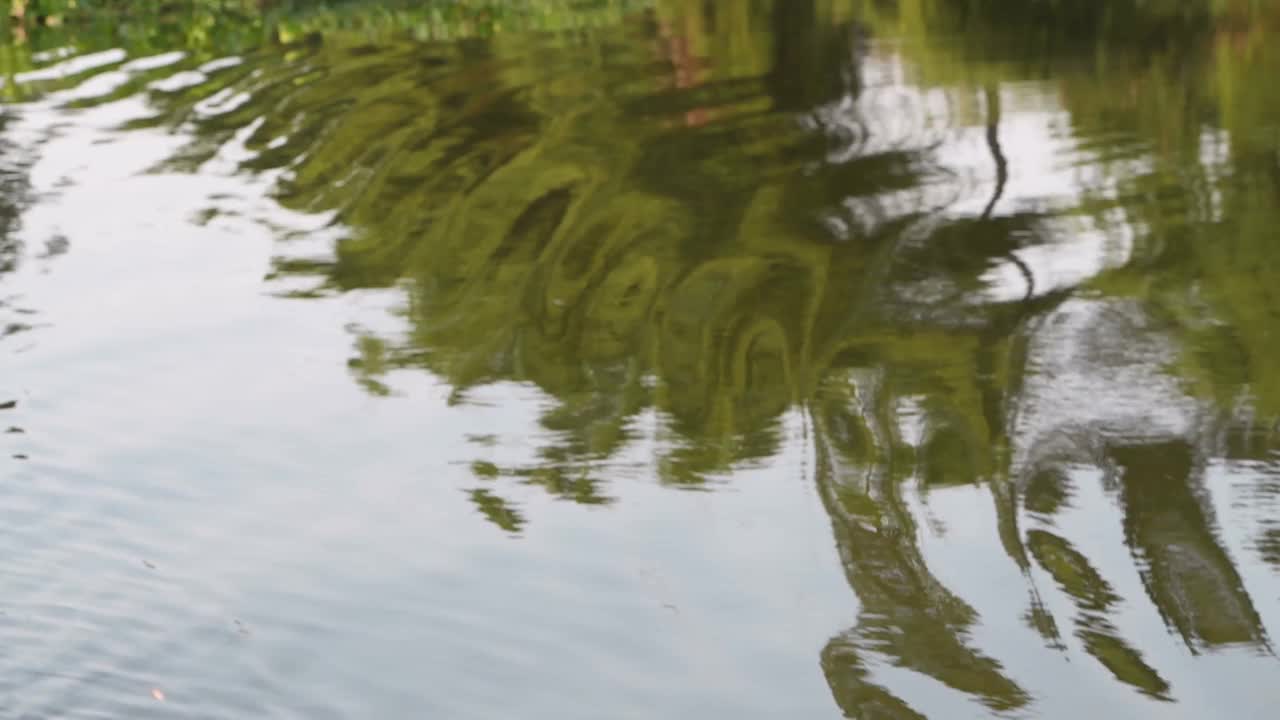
629 360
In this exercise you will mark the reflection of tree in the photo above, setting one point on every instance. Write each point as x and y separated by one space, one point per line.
907 617
535 246
1094 600
1156 461
1190 578
14 182
15 191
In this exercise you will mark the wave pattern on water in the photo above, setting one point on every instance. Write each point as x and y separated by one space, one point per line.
1018 334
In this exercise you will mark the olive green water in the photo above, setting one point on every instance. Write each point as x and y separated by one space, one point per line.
758 359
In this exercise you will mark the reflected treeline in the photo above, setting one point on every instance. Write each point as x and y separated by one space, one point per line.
15 197
1023 251
488 178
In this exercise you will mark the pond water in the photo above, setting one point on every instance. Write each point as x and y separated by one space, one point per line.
804 359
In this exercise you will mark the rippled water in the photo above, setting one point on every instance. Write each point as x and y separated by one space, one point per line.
680 360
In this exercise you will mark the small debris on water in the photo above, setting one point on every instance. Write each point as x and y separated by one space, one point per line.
149 564
158 694
19 456
8 405
15 430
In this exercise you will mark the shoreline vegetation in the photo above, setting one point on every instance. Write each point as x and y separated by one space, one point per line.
288 20
1235 22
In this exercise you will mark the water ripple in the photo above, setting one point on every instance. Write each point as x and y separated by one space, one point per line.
356 376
